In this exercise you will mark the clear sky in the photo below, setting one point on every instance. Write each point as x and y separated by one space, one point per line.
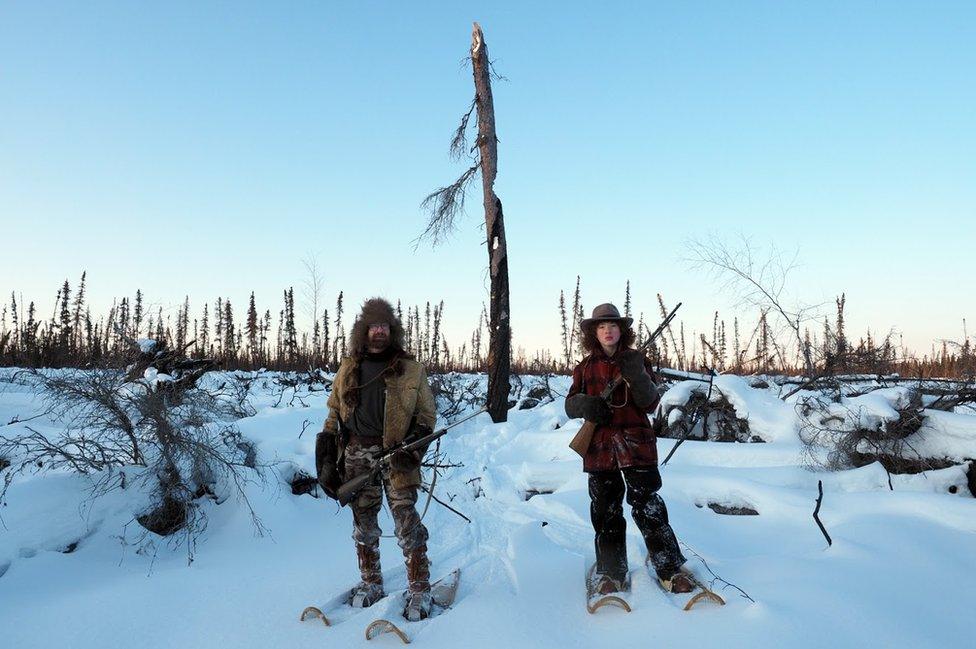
204 149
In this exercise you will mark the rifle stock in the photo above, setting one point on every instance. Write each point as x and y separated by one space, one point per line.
347 492
581 441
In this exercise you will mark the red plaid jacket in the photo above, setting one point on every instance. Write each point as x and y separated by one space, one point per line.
628 440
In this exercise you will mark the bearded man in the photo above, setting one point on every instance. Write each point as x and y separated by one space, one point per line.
380 396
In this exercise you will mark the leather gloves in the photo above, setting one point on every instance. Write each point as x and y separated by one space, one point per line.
326 463
589 408
405 461
642 389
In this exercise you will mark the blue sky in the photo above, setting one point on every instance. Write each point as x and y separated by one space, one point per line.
206 148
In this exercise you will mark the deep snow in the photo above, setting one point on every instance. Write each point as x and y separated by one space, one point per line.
899 573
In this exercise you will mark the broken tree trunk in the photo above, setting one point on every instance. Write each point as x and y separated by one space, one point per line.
500 337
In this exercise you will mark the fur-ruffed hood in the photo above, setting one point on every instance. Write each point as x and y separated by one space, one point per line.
375 309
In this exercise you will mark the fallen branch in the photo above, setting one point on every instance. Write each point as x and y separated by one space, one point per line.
816 511
716 578
441 502
691 427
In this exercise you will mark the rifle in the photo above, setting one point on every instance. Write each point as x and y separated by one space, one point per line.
350 488
694 420
581 442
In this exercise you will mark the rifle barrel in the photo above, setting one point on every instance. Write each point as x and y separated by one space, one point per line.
348 490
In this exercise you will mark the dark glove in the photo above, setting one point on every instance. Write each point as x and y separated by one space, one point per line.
631 364
327 463
416 432
589 408
642 388
405 461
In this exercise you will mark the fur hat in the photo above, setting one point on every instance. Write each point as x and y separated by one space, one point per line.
374 310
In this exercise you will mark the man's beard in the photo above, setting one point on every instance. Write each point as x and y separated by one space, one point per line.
379 342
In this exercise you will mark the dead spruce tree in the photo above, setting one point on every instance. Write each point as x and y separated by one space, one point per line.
446 203
159 424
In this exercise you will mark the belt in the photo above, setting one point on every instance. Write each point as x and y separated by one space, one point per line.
363 440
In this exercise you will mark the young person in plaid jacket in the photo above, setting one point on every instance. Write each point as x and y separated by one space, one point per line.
623 452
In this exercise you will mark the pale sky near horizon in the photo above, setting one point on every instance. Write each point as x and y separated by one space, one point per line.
205 149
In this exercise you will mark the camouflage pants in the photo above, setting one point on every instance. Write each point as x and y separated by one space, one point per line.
410 532
649 512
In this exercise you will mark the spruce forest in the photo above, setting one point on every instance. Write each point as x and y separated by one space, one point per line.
274 339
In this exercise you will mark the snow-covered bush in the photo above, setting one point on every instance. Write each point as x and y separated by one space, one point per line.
157 425
529 391
841 432
455 393
690 410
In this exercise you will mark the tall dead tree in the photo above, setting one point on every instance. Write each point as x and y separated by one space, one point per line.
446 203
500 331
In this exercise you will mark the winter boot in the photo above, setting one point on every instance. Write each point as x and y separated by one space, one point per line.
605 585
370 589
419 599
678 582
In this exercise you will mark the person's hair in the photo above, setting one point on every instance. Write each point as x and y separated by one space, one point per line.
374 310
590 342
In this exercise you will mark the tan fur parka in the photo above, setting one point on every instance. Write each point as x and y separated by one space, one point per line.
408 401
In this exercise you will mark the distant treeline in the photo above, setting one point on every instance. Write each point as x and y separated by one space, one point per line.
73 337
764 348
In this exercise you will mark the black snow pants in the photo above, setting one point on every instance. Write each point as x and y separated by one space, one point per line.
649 513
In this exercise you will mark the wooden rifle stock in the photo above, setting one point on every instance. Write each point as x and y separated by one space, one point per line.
582 440
347 492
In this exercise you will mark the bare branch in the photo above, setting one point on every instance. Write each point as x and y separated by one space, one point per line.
715 578
816 512
459 143
444 206
756 283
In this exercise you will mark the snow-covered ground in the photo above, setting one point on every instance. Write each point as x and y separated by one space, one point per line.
900 572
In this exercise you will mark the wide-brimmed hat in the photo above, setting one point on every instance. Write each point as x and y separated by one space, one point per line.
606 312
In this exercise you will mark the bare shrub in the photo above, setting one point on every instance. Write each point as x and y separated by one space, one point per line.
298 386
837 435
952 396
454 393
759 280
156 423
532 391
703 418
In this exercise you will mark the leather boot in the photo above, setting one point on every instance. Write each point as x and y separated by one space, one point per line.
605 585
678 582
418 592
370 589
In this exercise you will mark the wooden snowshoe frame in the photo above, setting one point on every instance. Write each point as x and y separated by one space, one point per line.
442 593
593 605
703 595
385 626
607 600
313 612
